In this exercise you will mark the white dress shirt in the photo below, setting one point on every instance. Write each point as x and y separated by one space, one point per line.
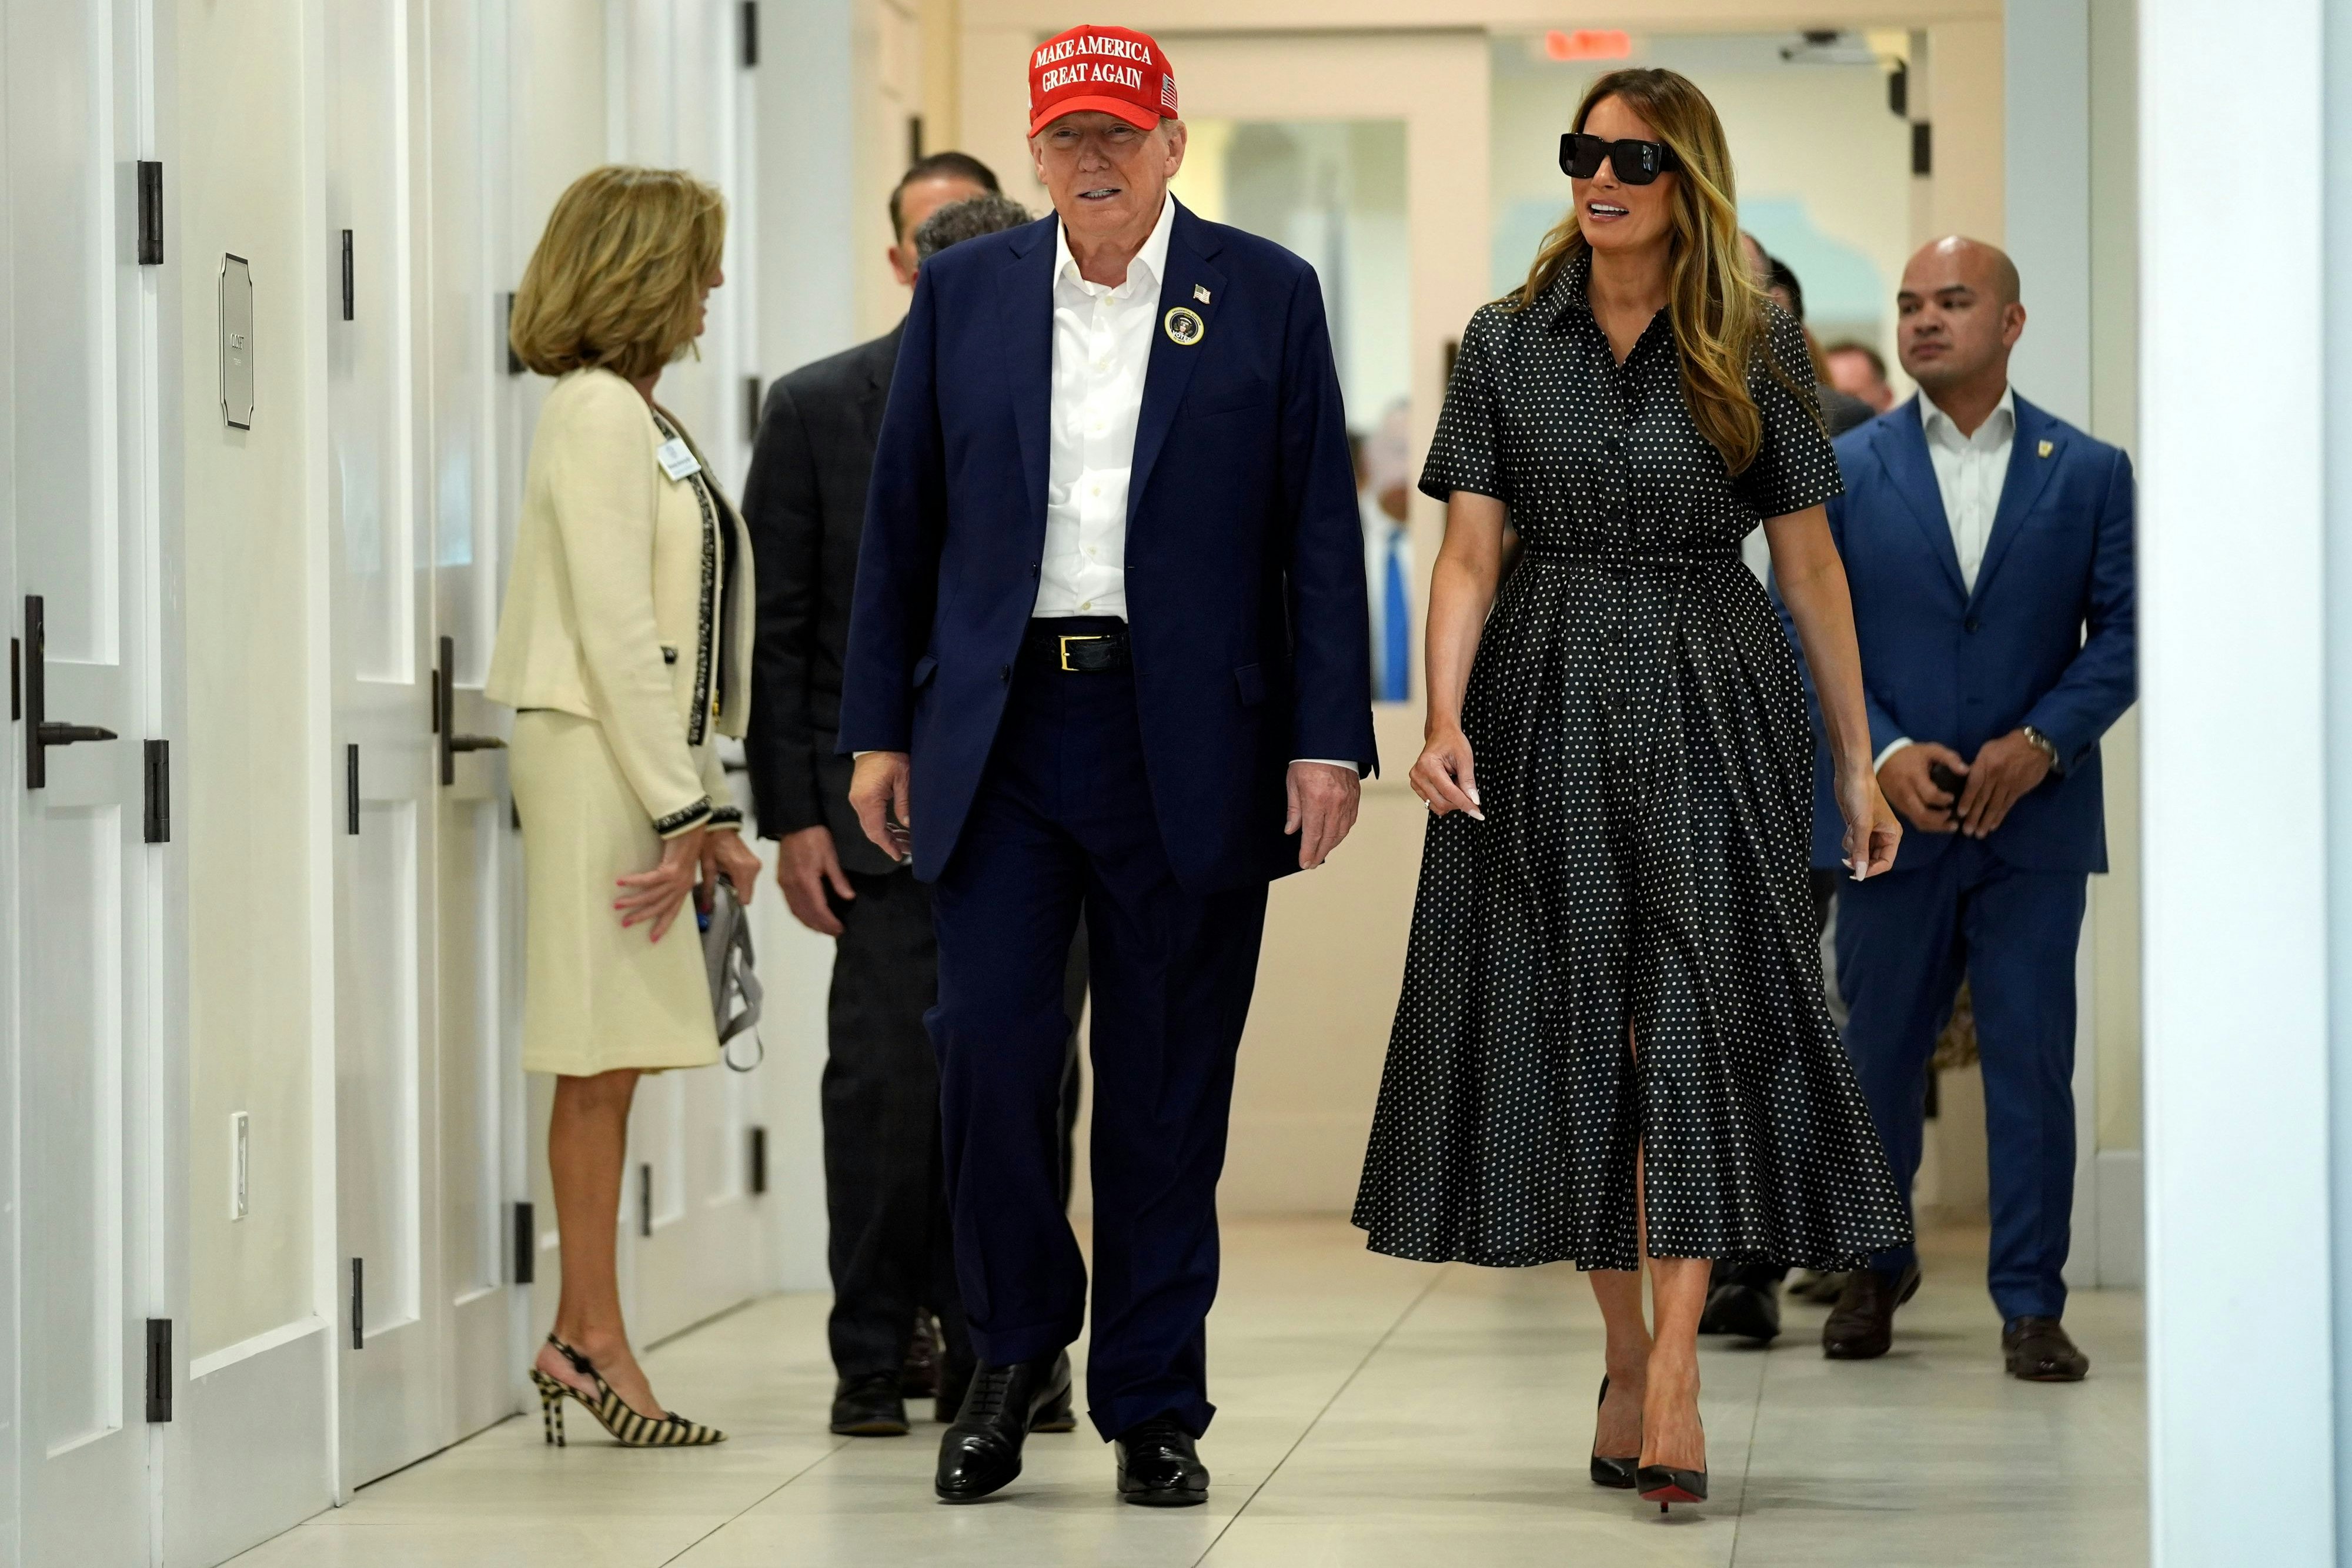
1970 473
1102 347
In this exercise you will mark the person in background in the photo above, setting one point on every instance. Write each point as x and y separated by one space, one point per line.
1779 281
889 1249
1990 545
1108 661
1382 470
1857 370
624 647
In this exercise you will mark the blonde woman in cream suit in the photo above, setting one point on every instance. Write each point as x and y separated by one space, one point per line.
625 649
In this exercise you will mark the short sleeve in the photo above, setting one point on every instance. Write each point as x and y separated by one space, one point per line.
1795 467
1467 451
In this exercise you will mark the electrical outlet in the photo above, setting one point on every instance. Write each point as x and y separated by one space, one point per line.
240 1163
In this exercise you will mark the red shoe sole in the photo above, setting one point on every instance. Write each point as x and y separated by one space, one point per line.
1664 1495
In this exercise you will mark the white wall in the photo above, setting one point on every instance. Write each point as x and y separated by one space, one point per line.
2234 593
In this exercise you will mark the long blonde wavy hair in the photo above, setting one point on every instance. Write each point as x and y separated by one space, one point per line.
1714 306
618 273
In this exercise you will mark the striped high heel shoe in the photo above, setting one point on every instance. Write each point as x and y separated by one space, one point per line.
629 1429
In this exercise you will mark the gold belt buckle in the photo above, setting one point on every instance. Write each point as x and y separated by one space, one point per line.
1065 650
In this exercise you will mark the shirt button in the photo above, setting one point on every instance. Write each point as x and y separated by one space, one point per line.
1087 604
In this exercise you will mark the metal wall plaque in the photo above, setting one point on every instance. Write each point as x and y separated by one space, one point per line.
236 341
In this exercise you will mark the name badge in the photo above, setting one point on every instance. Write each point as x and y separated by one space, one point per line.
677 459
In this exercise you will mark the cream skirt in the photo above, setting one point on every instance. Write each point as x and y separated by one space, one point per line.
596 995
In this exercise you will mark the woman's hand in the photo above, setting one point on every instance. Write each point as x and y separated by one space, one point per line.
1445 777
724 854
657 894
1871 829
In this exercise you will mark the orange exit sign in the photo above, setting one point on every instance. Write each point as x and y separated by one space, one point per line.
1588 43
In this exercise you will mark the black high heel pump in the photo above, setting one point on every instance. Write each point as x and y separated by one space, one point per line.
1664 1485
1615 1474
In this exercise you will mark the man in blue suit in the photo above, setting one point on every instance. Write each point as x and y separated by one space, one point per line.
1109 655
1988 547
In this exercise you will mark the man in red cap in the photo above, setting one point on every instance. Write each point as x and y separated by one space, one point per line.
1110 634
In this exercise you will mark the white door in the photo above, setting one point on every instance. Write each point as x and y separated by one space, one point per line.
693 1243
81 420
428 1087
481 1064
388 1179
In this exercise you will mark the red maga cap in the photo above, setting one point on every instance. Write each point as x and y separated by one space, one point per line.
1111 69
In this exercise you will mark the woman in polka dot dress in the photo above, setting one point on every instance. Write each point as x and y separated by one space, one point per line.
1611 1043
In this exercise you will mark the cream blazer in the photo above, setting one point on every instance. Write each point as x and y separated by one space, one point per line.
615 609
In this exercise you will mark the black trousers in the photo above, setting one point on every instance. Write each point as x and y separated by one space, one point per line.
891 1248
1063 826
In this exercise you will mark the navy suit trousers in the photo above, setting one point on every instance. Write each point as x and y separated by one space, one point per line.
1904 940
1062 825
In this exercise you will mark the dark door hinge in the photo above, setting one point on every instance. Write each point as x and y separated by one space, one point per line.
158 1370
759 1160
359 1306
351 789
506 335
350 300
751 33
644 1200
1923 147
159 792
15 679
1898 90
151 214
914 139
526 1246
751 409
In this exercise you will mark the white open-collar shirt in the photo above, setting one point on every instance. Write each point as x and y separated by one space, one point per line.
1102 347
1970 473
1970 470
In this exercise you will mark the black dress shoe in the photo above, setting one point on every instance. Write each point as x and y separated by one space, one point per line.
1862 1325
918 1378
1744 1308
1159 1466
981 1452
869 1406
2038 1351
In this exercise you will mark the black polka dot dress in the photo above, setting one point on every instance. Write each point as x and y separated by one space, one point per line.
1644 764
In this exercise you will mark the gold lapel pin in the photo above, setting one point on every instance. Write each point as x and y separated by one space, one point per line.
2048 447
1201 292
1184 327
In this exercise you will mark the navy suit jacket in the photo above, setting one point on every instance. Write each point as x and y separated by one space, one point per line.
2046 639
1244 556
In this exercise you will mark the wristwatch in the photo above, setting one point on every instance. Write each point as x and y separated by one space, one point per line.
2043 744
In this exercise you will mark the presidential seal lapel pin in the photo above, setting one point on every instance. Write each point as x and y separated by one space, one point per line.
1184 327
1201 292
2048 447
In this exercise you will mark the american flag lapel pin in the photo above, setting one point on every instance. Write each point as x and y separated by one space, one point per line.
1201 292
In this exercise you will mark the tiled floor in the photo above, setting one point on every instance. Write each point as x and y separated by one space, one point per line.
1374 1413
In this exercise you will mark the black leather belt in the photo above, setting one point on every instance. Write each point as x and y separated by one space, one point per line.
1088 647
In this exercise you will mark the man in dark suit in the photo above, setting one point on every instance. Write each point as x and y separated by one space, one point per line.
1109 657
804 502
1988 547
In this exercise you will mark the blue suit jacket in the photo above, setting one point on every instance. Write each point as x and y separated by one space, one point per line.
2046 639
1244 556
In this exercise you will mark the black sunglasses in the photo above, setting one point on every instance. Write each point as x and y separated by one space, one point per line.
1637 162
